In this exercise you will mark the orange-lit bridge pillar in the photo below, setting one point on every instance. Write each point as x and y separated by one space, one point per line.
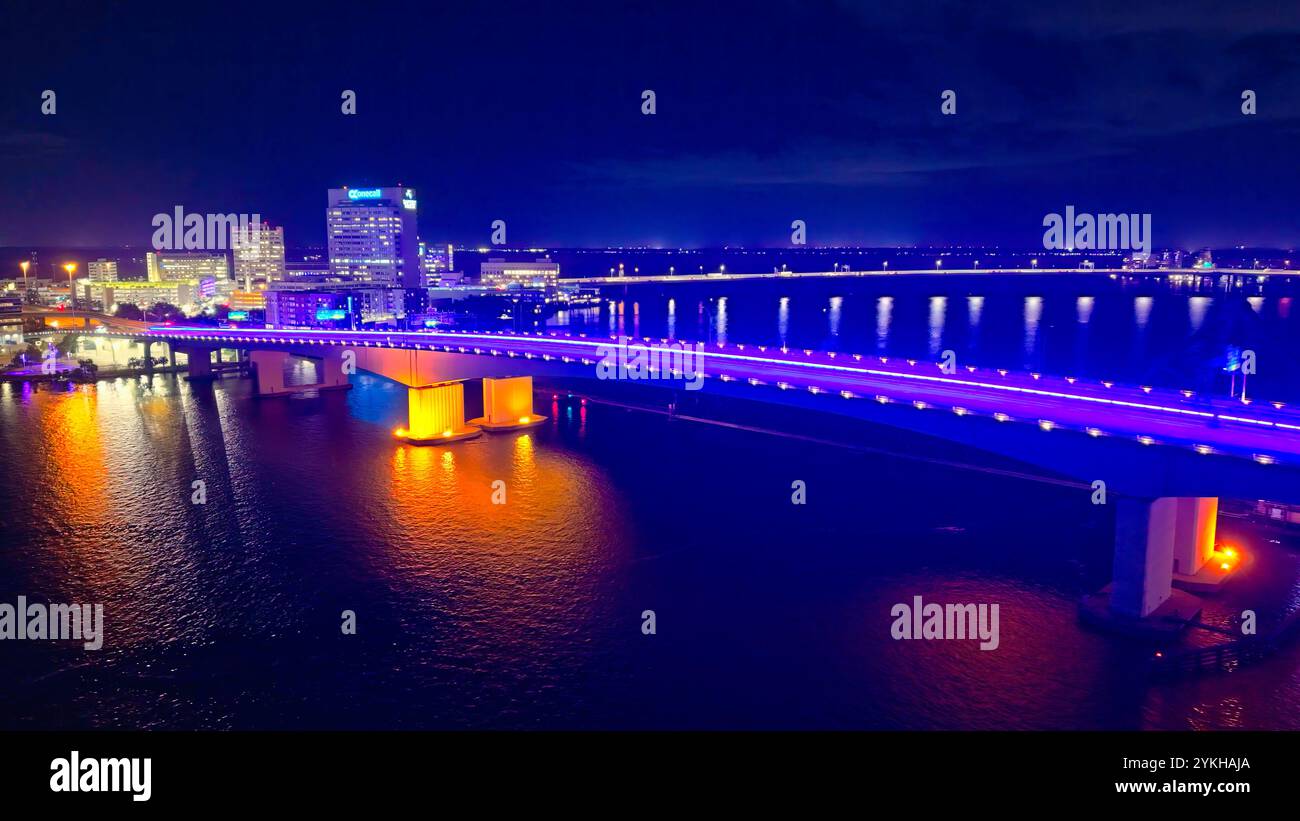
436 415
508 404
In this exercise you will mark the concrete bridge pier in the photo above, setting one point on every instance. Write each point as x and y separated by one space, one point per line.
507 404
436 415
1160 543
269 369
200 363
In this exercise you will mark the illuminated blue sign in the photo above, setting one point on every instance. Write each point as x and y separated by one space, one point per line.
365 193
325 314
237 315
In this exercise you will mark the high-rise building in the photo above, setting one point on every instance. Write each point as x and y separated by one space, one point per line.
372 236
102 270
259 255
164 267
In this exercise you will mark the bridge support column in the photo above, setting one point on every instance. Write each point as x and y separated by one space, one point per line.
1144 555
269 368
331 370
508 404
1153 537
200 364
436 415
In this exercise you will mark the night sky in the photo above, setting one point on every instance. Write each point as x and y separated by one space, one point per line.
767 112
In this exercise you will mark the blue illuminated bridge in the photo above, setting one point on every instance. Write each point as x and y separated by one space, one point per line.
1166 456
1262 432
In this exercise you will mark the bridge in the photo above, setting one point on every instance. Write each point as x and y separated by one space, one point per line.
885 272
1165 456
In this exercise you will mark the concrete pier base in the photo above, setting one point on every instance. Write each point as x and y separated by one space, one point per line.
1157 541
1171 616
436 415
508 405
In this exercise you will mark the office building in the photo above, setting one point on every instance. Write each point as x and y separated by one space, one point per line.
438 259
169 266
102 270
372 238
259 256
295 305
247 301
187 294
541 275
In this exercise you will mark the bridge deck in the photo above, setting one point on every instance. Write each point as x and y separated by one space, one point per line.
1262 431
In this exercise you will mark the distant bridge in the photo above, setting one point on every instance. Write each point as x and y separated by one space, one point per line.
845 273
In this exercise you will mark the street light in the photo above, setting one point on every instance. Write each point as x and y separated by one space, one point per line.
71 268
24 265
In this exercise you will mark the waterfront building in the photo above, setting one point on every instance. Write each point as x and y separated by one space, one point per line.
540 274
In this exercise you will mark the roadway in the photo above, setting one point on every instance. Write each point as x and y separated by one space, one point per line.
1262 431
